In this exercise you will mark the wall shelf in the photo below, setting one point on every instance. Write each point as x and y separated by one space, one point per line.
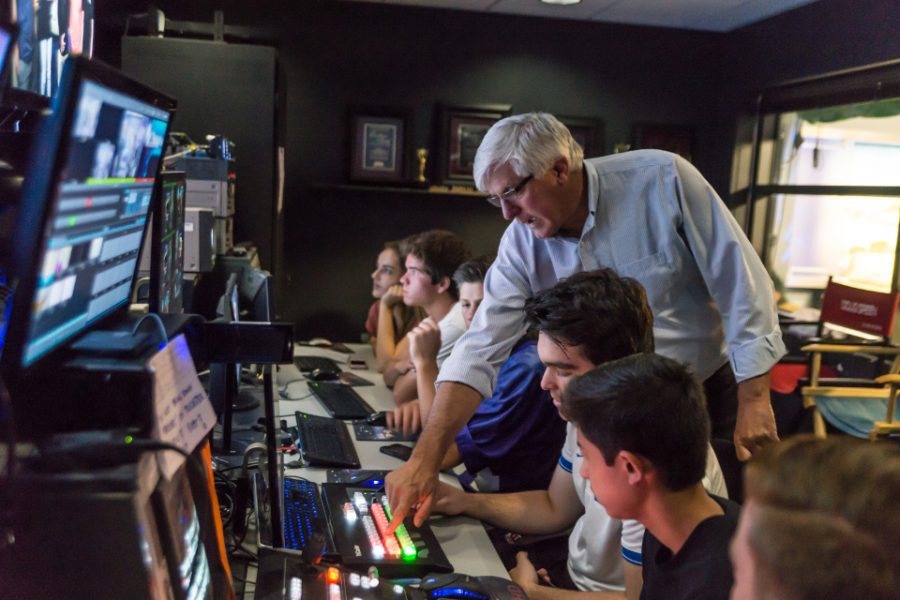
441 191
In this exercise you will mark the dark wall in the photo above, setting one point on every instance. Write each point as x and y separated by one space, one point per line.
337 54
825 36
369 54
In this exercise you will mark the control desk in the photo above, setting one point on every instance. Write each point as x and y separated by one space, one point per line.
462 541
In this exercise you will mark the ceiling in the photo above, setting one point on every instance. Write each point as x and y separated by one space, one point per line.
707 15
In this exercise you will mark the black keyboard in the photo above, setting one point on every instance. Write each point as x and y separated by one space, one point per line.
305 524
307 364
325 442
341 401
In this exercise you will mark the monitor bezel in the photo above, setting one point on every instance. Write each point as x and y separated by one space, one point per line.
50 149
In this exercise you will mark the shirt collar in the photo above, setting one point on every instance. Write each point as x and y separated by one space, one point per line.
593 195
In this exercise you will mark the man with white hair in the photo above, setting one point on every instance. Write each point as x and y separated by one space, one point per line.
649 215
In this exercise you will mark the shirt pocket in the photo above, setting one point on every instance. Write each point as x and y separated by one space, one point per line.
659 273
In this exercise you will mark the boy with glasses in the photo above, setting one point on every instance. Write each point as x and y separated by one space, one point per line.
431 259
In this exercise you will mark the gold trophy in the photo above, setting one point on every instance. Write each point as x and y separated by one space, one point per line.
422 155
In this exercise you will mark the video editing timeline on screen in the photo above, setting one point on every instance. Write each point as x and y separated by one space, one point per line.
347 523
98 215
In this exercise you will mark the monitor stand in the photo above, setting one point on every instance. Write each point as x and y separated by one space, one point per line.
224 393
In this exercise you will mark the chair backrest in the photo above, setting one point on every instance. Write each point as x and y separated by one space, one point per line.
860 312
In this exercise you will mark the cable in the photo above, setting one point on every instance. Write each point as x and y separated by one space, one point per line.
287 398
160 326
7 408
144 445
284 386
225 489
7 498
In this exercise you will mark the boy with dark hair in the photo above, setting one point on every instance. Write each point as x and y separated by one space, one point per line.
431 259
643 429
591 316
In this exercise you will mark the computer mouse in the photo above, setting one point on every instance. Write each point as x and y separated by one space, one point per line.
322 342
465 587
458 586
377 418
324 374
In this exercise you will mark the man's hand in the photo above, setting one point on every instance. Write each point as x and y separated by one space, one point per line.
524 573
449 500
393 296
424 341
411 487
755 426
405 418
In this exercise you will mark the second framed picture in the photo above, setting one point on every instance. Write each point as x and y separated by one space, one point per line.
462 129
674 138
587 132
378 144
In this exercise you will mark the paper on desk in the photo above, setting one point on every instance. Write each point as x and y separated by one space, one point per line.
184 414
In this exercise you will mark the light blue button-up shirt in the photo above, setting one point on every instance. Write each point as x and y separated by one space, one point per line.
652 216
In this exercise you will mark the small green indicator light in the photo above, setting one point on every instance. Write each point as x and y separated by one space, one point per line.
128 439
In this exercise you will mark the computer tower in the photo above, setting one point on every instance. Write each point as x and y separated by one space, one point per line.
85 534
199 240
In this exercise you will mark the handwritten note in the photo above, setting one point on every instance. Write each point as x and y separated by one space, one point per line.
184 414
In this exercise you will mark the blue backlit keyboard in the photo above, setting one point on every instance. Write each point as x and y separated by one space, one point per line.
304 520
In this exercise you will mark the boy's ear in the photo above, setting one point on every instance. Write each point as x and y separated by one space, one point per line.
637 468
443 285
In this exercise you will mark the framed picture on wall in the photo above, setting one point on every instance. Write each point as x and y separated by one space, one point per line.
674 138
462 129
378 144
588 132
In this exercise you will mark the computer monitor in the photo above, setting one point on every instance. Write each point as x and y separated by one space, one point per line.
84 206
257 293
167 244
49 32
229 309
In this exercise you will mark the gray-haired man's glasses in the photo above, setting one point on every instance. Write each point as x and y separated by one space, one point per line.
510 193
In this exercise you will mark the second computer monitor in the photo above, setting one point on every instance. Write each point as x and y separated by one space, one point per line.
167 244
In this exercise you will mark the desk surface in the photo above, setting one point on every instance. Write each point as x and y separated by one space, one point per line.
463 539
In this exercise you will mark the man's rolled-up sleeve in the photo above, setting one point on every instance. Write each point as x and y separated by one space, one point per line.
733 273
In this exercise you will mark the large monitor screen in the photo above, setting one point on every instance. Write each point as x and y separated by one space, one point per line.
93 209
50 32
